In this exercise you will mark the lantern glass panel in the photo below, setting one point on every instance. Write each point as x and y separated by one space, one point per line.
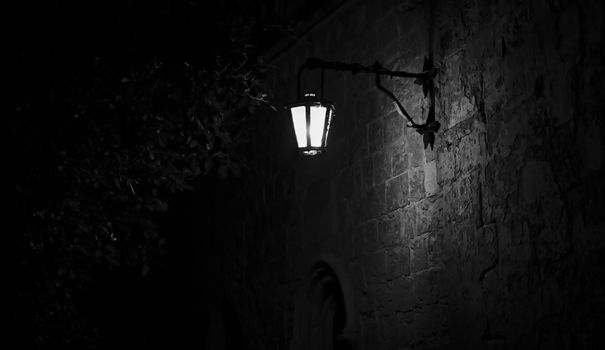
318 120
330 115
299 120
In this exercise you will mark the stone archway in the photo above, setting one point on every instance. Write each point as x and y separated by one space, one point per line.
224 331
323 318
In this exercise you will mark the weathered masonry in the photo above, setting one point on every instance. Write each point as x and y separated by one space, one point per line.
494 239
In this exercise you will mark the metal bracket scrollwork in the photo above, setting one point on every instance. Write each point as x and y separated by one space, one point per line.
424 78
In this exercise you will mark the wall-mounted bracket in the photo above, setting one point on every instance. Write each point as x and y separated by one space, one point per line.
424 78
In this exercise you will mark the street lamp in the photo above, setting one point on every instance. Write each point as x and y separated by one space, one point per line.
311 116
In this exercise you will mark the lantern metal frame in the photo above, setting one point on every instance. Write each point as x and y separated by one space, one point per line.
424 78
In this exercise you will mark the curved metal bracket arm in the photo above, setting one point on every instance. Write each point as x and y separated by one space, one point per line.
316 63
402 110
431 126
423 78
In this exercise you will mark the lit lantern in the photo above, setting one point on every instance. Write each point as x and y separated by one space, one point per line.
311 118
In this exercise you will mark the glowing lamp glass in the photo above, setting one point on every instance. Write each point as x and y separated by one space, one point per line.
311 119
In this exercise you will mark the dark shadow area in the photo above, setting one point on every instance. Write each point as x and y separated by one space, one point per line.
172 306
233 328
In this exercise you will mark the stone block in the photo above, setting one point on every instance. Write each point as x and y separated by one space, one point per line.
446 164
535 180
346 217
346 185
416 183
394 333
382 296
376 136
470 152
387 24
397 192
369 232
460 109
436 250
427 217
389 229
408 223
394 128
428 286
374 265
495 94
355 146
357 275
397 262
419 254
357 241
389 52
367 172
403 294
415 149
381 166
375 203
370 335
487 250
430 323
462 198
551 238
365 106
405 337
365 303
430 178
399 160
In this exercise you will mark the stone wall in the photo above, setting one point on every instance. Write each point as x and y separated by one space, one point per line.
493 239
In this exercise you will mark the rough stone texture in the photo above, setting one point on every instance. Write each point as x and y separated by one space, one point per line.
494 239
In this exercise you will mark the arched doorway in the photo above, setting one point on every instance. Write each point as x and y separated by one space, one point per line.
224 330
322 310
